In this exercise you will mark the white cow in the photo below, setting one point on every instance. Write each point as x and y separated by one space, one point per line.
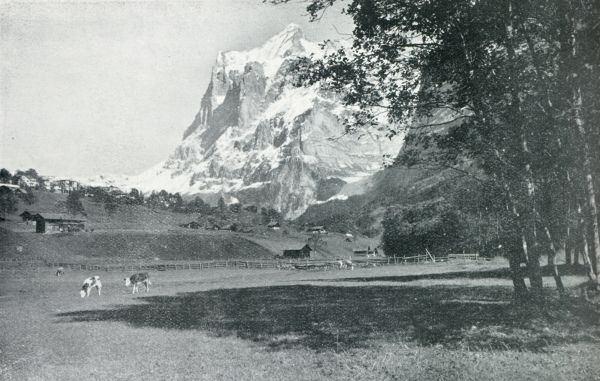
345 264
88 284
348 264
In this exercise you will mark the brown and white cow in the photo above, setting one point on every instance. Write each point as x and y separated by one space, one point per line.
88 284
136 280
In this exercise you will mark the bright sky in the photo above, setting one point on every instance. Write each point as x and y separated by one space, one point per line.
109 87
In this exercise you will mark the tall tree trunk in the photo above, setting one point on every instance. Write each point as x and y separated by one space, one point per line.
568 238
583 136
531 248
520 288
514 255
531 245
578 249
590 192
587 262
583 245
568 248
552 263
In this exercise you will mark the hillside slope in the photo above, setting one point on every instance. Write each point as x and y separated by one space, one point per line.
129 246
393 186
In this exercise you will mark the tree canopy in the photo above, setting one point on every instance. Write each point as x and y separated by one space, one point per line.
508 85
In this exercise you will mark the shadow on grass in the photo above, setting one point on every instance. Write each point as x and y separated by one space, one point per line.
502 273
325 318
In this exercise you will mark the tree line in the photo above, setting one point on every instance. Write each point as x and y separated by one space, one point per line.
113 199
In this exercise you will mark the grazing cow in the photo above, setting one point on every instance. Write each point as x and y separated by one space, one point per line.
348 264
136 280
88 284
60 271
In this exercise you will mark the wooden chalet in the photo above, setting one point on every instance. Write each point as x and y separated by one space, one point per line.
192 225
274 225
57 222
303 252
28 215
317 229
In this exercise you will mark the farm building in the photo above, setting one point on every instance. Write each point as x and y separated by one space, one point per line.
209 226
192 225
55 222
28 216
367 251
26 181
317 229
231 227
304 252
274 225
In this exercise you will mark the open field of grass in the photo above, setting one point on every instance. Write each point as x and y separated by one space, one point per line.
429 322
175 244
128 245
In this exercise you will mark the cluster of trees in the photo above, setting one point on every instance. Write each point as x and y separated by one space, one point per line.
10 199
73 203
165 200
430 225
516 83
174 202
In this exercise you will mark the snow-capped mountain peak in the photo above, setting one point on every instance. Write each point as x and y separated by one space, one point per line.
261 140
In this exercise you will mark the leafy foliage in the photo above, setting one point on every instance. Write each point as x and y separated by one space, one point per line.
5 176
508 85
410 230
8 202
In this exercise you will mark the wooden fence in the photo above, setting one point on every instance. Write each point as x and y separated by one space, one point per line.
230 264
463 257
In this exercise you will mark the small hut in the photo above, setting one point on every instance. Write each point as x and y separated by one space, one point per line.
303 252
55 222
28 216
274 225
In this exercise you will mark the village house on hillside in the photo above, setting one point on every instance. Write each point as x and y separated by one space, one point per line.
274 225
51 184
192 225
317 229
26 181
28 215
303 252
56 222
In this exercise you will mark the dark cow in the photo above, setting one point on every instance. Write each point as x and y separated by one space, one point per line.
60 271
136 280
88 284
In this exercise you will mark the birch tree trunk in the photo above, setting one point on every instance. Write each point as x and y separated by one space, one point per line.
583 138
531 246
552 263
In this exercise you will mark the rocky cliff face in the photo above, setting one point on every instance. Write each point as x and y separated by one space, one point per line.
262 141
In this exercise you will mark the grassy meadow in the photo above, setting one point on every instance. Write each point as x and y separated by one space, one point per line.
411 322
